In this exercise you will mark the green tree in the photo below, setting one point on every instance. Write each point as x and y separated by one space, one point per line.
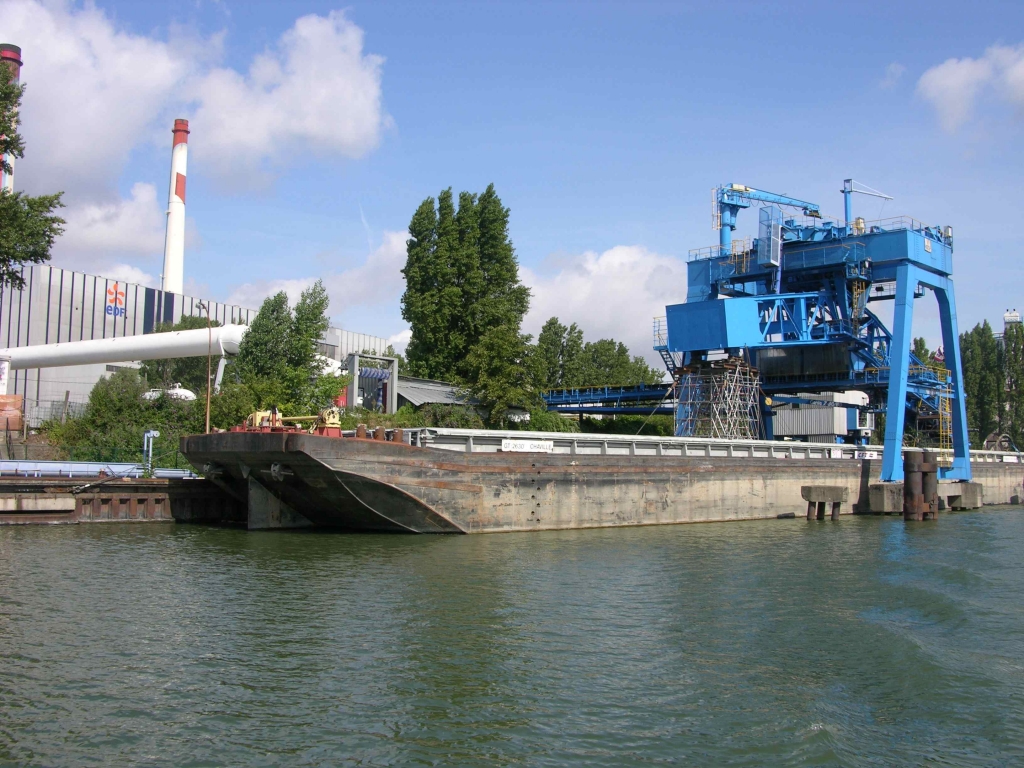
190 372
607 362
1012 382
261 353
550 353
574 359
503 299
28 226
503 373
983 389
308 326
421 302
565 361
462 280
561 357
920 349
278 360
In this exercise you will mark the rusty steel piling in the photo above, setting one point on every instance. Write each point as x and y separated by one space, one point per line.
930 484
913 490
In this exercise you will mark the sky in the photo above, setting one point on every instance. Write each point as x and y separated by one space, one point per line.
317 129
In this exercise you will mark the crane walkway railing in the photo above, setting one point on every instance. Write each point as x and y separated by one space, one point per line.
605 395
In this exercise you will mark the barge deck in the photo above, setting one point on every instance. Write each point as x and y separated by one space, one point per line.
474 481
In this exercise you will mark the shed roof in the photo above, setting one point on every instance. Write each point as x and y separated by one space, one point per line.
422 391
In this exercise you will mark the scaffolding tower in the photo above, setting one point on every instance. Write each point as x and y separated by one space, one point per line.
719 400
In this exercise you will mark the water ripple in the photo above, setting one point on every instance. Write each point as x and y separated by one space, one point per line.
863 643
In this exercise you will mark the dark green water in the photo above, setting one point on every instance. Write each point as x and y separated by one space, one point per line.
862 642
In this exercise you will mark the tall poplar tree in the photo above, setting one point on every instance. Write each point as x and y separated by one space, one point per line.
983 388
420 302
462 280
1012 375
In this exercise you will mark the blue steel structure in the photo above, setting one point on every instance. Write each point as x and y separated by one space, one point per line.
794 304
643 399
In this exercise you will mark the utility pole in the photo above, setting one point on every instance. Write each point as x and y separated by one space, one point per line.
209 362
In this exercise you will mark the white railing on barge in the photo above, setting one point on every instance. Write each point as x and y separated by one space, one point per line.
571 443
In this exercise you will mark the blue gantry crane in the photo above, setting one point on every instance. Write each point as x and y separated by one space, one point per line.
793 303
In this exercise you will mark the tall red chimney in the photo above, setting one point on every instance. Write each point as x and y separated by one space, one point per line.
11 56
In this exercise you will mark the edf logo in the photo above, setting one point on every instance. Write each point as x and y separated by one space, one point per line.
115 301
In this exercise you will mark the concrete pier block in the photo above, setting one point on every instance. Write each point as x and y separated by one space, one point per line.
817 496
823 493
964 495
885 498
266 511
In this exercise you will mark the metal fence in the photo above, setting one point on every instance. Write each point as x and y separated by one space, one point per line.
38 411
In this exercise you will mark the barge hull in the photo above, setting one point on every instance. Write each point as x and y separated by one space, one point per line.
372 485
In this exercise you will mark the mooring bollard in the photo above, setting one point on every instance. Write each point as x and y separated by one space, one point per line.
361 430
930 483
378 433
397 435
913 489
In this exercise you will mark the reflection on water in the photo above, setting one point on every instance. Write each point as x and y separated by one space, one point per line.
862 642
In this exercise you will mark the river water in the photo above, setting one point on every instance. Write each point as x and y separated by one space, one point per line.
862 642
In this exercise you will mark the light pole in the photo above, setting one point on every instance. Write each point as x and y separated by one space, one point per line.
209 362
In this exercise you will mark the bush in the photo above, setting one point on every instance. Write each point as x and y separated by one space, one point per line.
549 421
116 417
659 426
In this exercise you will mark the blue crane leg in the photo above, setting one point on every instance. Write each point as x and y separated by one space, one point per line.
899 367
961 469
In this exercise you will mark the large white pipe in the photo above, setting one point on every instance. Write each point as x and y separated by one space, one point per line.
174 239
11 56
150 346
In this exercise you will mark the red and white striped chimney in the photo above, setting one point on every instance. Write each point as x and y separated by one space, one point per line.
174 240
11 56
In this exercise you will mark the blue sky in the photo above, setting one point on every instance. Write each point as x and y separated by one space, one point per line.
603 126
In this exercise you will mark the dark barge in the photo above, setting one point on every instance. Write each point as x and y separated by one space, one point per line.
473 481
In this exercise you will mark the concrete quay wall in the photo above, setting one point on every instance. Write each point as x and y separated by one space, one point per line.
56 501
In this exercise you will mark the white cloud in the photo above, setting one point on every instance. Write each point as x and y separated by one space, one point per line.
954 86
378 281
93 94
316 92
400 340
98 236
893 74
615 294
132 226
130 274
96 93
251 295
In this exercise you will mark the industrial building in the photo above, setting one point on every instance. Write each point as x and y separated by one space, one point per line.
60 305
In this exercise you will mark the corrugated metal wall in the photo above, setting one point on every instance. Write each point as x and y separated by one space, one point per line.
340 343
59 305
809 420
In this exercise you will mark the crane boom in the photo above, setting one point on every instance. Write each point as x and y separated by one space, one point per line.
732 197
